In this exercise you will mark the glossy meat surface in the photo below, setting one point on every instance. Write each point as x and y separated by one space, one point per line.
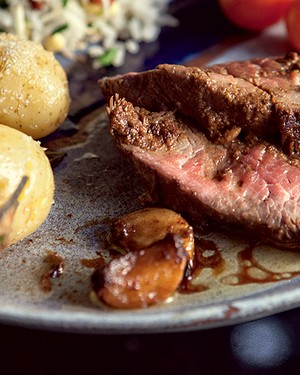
251 187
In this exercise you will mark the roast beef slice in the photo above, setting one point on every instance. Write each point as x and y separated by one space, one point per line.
280 78
237 186
257 97
208 142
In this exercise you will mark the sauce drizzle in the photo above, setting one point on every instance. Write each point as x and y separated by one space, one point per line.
250 271
207 255
56 269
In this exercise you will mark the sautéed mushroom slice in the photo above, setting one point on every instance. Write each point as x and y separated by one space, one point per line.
158 245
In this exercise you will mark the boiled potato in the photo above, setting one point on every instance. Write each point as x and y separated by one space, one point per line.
34 94
21 156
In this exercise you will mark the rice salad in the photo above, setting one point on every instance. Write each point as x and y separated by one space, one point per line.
102 29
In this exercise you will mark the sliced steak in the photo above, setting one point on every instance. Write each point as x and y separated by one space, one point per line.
279 77
258 97
219 143
220 103
250 187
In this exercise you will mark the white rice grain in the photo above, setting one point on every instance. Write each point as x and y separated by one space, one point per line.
120 25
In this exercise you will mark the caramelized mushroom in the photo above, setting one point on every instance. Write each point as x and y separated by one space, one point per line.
142 228
159 245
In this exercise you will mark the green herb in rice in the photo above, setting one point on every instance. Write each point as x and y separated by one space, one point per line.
105 30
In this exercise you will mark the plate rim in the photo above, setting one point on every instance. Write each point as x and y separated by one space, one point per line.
179 319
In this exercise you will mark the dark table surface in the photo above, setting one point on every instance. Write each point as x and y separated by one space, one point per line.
266 346
269 345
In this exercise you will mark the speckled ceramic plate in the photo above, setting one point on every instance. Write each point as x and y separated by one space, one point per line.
93 185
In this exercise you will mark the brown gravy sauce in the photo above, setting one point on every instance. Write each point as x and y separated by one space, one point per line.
207 255
97 263
55 265
248 263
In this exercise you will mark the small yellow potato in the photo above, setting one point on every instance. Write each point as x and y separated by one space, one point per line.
21 156
34 93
